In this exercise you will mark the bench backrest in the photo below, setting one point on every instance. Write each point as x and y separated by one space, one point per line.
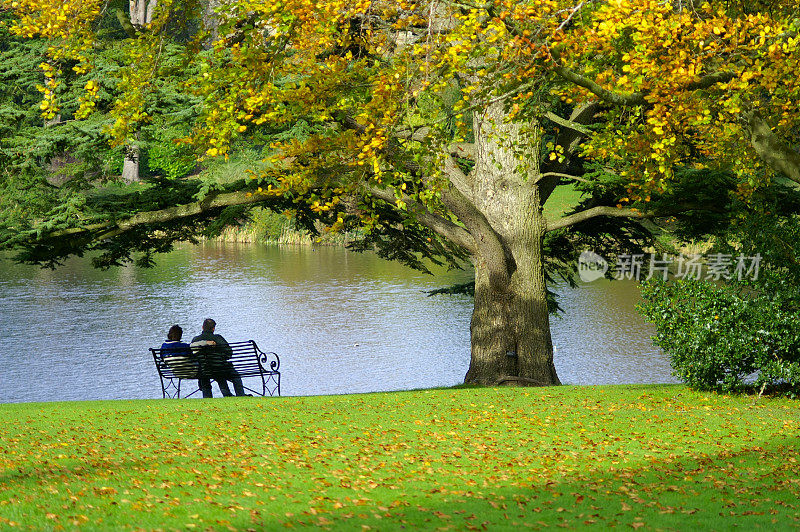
246 357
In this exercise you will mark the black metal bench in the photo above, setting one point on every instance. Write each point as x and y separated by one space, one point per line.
247 359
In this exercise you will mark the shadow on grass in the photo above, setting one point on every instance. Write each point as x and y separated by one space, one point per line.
77 470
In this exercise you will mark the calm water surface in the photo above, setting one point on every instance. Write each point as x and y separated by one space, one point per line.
341 322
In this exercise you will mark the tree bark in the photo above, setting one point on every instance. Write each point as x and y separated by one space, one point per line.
130 167
141 12
211 21
510 326
772 150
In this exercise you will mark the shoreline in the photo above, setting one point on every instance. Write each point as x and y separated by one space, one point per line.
621 388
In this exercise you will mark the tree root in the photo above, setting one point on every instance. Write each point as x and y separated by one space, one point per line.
512 380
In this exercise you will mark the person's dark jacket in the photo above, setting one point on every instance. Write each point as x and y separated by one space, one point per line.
221 349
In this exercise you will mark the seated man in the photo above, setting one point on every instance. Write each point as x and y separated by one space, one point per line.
215 353
180 358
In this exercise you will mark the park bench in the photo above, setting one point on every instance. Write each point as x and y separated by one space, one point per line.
247 359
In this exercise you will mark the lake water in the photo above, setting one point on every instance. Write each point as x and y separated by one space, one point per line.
342 322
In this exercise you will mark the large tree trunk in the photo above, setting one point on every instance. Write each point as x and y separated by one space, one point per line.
510 323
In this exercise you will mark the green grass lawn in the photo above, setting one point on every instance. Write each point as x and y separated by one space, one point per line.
563 199
658 457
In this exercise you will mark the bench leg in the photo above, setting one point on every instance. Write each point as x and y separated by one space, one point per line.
166 389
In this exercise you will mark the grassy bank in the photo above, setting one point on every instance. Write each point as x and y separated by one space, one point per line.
642 456
268 227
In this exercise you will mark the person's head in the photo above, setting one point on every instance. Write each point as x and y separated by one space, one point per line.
175 333
209 325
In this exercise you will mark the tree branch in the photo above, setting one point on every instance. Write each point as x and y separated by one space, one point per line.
709 80
463 149
169 214
126 24
567 123
569 138
616 98
481 230
457 177
417 134
547 175
573 12
630 213
594 212
447 229
630 98
770 148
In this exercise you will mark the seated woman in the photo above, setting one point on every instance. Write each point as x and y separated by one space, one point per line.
182 360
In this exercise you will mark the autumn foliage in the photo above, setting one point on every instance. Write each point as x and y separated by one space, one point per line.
680 78
694 84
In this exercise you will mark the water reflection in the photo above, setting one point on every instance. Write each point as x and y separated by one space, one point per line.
342 322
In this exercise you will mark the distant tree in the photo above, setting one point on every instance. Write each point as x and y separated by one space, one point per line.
139 17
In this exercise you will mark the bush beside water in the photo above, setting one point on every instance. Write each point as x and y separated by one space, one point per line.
724 337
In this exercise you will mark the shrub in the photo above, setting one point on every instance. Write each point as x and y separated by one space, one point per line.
725 334
722 337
